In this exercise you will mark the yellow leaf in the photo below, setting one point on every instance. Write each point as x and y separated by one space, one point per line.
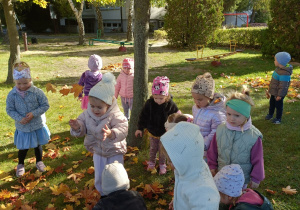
91 170
9 206
75 166
60 117
83 152
48 168
50 87
51 146
7 179
10 155
9 134
90 183
162 202
76 89
135 160
68 207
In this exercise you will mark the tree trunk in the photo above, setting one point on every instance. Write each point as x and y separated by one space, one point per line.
78 15
129 23
9 12
100 20
140 84
1 29
252 16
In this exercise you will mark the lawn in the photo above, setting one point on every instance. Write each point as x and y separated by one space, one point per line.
67 184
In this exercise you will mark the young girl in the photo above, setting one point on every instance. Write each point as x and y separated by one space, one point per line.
175 118
238 141
124 85
194 185
90 78
27 104
229 181
153 117
104 126
208 111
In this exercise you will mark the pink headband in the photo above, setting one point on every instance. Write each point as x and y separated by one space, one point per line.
161 86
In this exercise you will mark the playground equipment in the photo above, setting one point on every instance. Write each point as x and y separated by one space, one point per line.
122 44
200 48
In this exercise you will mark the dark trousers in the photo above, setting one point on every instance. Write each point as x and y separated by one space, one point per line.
276 104
23 152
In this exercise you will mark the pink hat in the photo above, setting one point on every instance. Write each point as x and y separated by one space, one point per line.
128 63
161 86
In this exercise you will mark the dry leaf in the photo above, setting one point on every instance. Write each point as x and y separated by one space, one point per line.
76 89
270 191
162 202
65 90
50 87
289 191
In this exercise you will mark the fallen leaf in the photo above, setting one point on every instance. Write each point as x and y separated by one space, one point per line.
65 90
270 191
162 202
50 87
91 170
60 117
50 146
289 191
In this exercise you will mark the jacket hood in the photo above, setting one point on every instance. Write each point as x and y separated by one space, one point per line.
288 68
218 102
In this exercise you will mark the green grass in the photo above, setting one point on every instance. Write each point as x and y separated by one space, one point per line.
61 61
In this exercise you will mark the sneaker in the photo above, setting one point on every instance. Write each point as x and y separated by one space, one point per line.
40 166
20 170
276 121
268 117
162 169
151 166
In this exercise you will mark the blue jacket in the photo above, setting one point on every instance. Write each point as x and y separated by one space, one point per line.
35 101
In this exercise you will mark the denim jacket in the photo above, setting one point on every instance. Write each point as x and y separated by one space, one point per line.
35 101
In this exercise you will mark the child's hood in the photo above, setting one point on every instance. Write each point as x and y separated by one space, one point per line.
287 70
218 102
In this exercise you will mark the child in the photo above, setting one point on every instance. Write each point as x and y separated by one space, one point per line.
238 141
104 126
208 111
279 85
153 117
27 104
90 78
175 118
194 185
230 180
115 188
124 85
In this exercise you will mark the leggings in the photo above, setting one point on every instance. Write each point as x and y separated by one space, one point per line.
23 152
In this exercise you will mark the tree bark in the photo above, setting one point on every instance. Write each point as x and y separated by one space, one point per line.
78 16
140 84
13 35
100 20
252 16
129 23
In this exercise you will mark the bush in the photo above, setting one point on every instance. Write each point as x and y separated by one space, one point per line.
160 34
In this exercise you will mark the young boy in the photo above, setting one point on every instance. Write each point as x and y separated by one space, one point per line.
115 188
279 85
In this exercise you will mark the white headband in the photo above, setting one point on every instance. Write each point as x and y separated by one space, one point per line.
25 73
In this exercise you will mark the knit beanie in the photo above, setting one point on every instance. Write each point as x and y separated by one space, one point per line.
283 58
204 85
161 86
128 63
114 178
105 89
95 62
230 180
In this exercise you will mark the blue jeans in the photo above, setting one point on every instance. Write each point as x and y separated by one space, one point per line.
276 104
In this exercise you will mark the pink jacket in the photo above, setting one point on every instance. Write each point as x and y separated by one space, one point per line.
91 127
124 85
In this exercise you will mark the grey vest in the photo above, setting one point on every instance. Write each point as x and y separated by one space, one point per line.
234 147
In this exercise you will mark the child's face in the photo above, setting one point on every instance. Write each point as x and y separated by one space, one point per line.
23 84
225 199
201 101
276 62
159 99
235 118
98 107
126 70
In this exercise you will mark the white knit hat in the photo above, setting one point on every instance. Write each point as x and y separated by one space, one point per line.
105 89
230 180
114 177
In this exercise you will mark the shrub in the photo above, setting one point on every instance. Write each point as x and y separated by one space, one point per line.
160 34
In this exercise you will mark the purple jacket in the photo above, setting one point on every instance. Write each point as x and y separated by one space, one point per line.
88 79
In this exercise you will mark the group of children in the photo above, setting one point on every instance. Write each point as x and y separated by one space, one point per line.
216 153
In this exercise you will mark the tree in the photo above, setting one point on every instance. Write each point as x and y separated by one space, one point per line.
129 23
230 5
192 22
13 35
255 6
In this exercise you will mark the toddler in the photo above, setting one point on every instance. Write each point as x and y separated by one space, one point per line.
230 180
153 117
90 78
27 104
115 188
124 85
238 141
194 185
208 111
104 126
279 85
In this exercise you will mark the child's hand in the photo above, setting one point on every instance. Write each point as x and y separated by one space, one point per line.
278 98
253 185
24 121
29 116
213 172
106 133
74 125
138 133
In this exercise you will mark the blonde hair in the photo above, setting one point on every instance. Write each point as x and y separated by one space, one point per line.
19 66
244 96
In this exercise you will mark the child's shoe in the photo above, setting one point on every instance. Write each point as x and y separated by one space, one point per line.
162 169
20 170
276 121
268 117
151 166
40 166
